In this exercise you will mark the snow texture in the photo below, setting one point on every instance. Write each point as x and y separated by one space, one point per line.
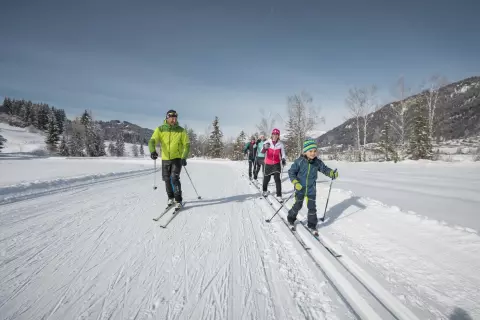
94 252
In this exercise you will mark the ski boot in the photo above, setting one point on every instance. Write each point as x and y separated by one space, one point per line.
279 198
170 202
178 205
312 229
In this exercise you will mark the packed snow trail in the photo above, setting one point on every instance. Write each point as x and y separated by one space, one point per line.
96 253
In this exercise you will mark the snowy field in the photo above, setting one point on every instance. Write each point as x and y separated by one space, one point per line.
447 192
28 141
92 250
21 140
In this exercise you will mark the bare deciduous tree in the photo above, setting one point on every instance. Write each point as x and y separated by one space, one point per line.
303 118
355 102
369 107
267 122
399 113
434 85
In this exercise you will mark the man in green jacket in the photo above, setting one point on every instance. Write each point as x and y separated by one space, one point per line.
175 146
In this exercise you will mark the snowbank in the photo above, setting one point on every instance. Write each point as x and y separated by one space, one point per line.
30 189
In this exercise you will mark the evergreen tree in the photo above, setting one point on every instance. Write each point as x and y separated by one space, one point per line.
111 149
64 147
194 143
238 147
385 143
86 118
52 133
215 144
76 144
61 117
8 105
2 141
120 145
27 111
420 146
99 142
142 152
43 112
90 138
135 150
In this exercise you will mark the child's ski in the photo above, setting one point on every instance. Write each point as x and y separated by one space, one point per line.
316 235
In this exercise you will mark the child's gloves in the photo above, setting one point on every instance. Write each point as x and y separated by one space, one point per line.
284 162
333 174
297 185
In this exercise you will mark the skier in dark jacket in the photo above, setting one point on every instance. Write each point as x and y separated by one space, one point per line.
303 175
260 157
251 150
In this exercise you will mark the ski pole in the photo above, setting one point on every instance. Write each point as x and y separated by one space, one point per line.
326 205
192 183
155 174
283 204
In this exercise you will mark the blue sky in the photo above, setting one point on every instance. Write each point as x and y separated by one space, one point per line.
134 60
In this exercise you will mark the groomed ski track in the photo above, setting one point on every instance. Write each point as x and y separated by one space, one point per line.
95 253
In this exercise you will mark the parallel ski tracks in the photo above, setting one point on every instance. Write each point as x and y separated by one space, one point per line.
378 303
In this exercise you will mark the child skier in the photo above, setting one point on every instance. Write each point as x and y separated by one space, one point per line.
260 159
274 154
303 175
251 149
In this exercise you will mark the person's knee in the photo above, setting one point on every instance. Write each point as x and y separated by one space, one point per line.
175 176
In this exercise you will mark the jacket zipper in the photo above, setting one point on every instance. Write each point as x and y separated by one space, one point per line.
308 173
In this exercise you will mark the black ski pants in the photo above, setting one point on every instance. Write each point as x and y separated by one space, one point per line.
171 175
311 206
275 170
250 165
259 163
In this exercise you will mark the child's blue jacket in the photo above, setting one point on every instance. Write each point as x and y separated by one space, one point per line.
305 171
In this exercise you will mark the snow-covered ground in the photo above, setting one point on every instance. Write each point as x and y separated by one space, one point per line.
94 251
21 140
447 192
30 140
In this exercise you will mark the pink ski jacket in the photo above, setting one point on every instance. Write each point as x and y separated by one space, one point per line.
275 153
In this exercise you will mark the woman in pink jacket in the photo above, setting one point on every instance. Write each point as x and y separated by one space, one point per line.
274 155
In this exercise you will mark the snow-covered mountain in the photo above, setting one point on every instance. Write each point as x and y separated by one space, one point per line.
457 116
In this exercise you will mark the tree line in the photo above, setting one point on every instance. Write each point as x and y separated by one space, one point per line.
408 125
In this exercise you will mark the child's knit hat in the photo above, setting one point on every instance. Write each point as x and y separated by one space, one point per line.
308 145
